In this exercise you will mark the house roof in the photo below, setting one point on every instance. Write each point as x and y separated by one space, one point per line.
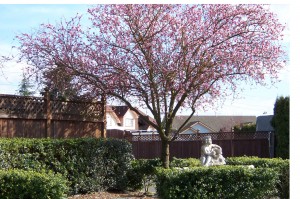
113 114
120 110
263 123
145 115
215 123
191 124
143 125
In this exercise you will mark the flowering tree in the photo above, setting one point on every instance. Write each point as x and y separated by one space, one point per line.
162 57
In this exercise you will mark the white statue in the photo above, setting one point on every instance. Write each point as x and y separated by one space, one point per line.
211 154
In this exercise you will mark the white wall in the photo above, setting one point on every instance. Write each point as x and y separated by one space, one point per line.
111 122
129 121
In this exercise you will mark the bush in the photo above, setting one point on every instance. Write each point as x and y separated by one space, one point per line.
89 164
142 173
31 185
282 167
189 162
216 182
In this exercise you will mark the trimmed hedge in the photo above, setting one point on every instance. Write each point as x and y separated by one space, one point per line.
216 182
188 162
142 173
89 164
282 167
31 185
144 169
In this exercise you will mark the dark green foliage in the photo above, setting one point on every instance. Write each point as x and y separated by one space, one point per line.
89 164
251 127
20 184
282 167
142 173
216 182
189 162
25 87
280 122
59 83
187 177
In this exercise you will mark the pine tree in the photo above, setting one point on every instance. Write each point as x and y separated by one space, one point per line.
25 87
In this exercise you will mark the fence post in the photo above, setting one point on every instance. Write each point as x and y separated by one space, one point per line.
48 112
232 144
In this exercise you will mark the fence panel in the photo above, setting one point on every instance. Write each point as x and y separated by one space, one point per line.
115 133
146 150
185 149
186 146
39 117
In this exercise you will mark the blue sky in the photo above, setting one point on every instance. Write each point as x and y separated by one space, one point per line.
16 18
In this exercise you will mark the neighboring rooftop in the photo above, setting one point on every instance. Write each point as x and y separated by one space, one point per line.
263 123
215 123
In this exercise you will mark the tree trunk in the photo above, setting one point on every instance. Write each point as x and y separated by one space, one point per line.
165 153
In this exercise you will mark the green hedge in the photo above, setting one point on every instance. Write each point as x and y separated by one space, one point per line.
216 182
31 185
142 173
144 170
282 167
188 162
89 164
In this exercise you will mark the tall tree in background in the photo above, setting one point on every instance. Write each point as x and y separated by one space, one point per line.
281 124
25 87
60 84
162 57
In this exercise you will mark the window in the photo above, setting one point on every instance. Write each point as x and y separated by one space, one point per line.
129 122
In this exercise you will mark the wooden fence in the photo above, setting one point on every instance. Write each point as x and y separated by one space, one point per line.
39 117
259 144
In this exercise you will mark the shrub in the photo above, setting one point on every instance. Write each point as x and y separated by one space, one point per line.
282 167
189 162
142 173
216 182
31 185
89 164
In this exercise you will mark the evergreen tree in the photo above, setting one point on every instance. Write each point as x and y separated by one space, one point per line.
280 122
25 87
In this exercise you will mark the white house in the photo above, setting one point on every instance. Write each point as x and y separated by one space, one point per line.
121 117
